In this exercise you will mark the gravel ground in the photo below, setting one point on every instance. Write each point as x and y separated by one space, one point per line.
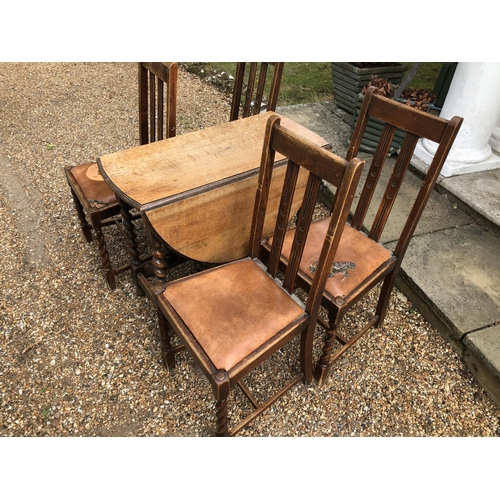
80 360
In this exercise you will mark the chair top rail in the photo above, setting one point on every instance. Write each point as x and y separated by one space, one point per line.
321 164
161 70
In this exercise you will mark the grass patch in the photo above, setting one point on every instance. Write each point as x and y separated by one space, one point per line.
308 82
426 76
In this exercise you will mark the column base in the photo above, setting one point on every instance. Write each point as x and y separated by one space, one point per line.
494 141
422 159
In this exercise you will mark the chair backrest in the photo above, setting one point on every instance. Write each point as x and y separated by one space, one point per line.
321 165
157 101
251 86
417 124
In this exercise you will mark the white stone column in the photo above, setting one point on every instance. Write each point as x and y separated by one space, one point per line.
495 139
474 94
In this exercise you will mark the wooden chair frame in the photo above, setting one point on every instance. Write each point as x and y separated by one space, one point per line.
157 118
417 124
226 358
95 203
252 89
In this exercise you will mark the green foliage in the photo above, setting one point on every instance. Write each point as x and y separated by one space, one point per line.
307 82
301 82
426 76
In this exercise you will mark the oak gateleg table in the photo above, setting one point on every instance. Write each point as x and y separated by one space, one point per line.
195 192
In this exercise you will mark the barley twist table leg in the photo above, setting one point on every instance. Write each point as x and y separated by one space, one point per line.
158 259
131 237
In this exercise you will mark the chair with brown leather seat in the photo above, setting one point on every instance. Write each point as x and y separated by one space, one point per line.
361 261
95 203
232 318
256 88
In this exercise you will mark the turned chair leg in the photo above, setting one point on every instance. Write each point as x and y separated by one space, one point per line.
221 418
323 366
106 263
168 353
324 363
84 225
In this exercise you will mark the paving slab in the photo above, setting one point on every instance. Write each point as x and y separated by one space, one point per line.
323 121
487 340
480 191
458 273
439 213
483 358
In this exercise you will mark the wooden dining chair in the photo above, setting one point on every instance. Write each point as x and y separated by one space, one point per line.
231 318
96 204
256 88
361 262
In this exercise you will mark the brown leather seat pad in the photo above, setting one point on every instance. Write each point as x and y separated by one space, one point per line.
94 191
232 310
355 247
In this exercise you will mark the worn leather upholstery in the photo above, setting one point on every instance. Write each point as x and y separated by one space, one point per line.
97 192
354 247
251 319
